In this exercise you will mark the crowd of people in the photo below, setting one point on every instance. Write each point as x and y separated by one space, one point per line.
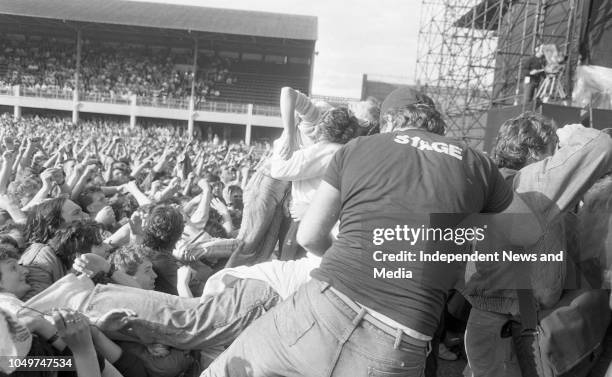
148 252
111 71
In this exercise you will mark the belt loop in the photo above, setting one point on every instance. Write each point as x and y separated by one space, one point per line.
359 317
428 349
324 286
398 338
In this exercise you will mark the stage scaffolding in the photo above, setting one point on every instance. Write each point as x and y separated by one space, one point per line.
471 53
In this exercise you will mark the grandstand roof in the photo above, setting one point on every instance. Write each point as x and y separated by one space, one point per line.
168 16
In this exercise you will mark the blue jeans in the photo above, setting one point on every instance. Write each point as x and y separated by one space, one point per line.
184 323
487 352
261 218
315 333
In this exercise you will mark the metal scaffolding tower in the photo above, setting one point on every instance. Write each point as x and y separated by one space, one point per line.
456 64
470 53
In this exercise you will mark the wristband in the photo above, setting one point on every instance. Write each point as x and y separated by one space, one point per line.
53 338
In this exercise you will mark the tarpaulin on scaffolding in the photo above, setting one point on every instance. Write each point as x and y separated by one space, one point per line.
593 85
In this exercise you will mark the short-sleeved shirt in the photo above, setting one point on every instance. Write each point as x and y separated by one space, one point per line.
412 179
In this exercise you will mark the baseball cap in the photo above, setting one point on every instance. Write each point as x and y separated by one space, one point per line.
405 96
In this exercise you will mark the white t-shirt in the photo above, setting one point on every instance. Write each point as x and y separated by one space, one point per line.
285 277
305 169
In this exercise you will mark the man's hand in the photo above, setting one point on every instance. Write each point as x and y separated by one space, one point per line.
220 207
9 143
203 184
8 157
286 149
128 188
33 321
48 176
91 264
91 170
73 328
175 184
115 320
190 178
136 225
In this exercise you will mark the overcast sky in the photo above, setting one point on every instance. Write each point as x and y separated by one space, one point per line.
355 37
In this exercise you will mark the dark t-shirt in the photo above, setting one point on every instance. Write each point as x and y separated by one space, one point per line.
165 266
410 178
533 62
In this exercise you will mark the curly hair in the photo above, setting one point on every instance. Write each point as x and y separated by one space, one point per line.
523 140
127 258
420 116
44 220
75 239
164 228
338 125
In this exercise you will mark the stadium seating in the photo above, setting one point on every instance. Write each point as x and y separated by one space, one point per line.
115 71
258 89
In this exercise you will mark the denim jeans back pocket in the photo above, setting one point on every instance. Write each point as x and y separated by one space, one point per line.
291 328
416 371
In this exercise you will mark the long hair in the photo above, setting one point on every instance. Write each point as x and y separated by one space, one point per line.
44 220
75 239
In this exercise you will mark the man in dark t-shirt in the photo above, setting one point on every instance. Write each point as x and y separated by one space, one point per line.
370 308
533 73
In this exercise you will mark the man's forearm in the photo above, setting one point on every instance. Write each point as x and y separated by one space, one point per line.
318 247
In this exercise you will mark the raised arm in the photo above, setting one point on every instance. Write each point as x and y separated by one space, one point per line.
200 215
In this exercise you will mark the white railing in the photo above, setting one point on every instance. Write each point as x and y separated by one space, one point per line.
152 102
223 107
272 111
45 93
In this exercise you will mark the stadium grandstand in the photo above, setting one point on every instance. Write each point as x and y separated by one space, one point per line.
204 66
